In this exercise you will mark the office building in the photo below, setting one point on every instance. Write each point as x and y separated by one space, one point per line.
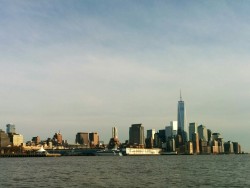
228 147
151 133
57 139
114 132
202 131
16 139
4 139
36 140
82 138
192 129
10 129
94 139
196 145
181 117
136 135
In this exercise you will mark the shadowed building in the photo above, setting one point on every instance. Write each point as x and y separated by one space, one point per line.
192 129
57 138
136 135
16 139
36 140
82 138
202 131
4 139
114 132
196 145
10 129
94 139
151 133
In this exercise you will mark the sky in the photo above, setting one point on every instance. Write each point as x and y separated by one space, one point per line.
87 66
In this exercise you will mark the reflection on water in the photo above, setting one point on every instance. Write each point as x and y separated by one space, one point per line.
128 171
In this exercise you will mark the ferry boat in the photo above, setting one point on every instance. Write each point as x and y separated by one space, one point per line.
141 151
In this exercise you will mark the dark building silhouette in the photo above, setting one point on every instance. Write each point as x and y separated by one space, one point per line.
136 135
4 139
82 138
94 139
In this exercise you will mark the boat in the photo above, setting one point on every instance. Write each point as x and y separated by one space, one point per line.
108 153
141 151
42 151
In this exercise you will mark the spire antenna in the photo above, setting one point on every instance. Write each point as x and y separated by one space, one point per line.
180 96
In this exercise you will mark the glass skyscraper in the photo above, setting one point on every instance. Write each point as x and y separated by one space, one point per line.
10 128
182 119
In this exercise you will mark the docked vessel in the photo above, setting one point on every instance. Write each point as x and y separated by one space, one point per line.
141 151
108 153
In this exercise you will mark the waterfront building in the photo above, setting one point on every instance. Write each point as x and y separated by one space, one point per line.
209 135
196 145
16 139
114 132
228 147
170 146
4 139
136 135
181 117
192 129
189 148
202 131
57 139
168 132
36 140
82 138
236 147
215 136
156 140
171 130
162 136
149 142
151 133
94 139
10 129
204 147
215 147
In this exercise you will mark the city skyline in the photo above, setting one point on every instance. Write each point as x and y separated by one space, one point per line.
88 66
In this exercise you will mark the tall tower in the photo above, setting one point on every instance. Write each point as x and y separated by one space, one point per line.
181 113
114 132
136 135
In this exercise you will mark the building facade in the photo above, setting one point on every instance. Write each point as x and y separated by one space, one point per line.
10 129
82 138
94 139
181 117
136 135
4 139
192 129
114 132
202 131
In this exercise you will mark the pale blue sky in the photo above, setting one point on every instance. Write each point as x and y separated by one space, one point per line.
89 65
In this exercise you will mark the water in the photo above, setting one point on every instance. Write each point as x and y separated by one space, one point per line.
127 171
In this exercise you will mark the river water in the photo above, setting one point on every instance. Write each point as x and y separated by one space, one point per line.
127 171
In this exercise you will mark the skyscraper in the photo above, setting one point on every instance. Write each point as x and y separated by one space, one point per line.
171 131
10 128
82 138
151 133
114 132
93 139
136 135
202 131
181 113
192 129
